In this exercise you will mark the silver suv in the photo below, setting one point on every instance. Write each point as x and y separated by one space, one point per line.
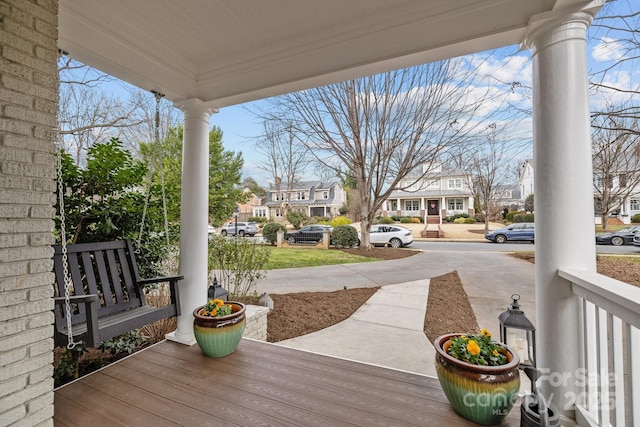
244 229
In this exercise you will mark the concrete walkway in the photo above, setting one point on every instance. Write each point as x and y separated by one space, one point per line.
388 329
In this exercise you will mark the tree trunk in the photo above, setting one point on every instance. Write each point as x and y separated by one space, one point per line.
605 221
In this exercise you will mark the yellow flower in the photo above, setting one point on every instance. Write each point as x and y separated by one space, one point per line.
218 302
214 312
473 347
485 332
495 353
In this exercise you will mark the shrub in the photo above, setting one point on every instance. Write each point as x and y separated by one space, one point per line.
462 220
452 218
396 218
269 232
296 218
340 220
416 220
387 220
344 236
635 218
258 219
509 216
523 218
405 220
239 262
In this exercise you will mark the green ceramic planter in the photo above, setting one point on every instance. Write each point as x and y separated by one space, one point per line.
219 336
482 394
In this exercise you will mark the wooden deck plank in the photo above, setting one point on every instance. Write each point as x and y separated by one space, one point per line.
406 402
259 384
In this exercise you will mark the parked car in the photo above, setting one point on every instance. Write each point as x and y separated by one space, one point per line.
636 240
395 236
309 234
514 232
624 236
244 229
211 231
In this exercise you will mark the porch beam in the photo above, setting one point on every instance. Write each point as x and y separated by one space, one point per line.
194 215
563 183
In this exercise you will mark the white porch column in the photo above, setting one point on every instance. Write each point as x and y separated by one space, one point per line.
563 183
194 215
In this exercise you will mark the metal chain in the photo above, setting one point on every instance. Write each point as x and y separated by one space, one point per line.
68 284
154 159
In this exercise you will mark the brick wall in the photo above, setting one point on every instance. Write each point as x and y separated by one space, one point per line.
256 327
28 108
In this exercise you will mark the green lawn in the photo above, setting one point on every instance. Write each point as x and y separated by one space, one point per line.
294 258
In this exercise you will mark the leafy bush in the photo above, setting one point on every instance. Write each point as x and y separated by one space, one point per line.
258 219
452 218
296 218
269 231
127 342
416 220
387 220
523 218
344 236
635 218
340 220
240 264
396 218
463 220
509 216
405 220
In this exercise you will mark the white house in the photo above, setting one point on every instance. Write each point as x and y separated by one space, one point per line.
525 179
440 193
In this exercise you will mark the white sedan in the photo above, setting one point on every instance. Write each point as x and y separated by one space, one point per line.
395 236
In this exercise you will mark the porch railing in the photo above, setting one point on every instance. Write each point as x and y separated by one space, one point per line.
610 328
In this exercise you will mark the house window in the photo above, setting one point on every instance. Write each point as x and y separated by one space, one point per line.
456 204
634 204
434 183
302 195
455 183
325 194
623 180
411 205
393 205
278 214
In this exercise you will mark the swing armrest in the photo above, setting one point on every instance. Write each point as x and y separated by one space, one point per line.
80 299
170 279
91 304
173 282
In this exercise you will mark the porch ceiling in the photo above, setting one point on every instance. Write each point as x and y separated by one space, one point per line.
229 52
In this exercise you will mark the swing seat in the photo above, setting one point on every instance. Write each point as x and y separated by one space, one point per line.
107 298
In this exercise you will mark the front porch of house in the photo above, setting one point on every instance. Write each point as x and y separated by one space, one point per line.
258 384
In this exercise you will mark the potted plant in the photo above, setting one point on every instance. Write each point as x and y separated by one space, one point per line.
478 375
218 326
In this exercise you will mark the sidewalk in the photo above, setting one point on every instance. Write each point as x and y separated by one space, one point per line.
388 329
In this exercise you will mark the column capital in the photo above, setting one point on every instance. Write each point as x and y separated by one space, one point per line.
195 105
550 27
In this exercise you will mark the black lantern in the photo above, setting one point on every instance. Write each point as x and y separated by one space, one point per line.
515 326
217 291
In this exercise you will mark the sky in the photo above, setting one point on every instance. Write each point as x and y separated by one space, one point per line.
498 69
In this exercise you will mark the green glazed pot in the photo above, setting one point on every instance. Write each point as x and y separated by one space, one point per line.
482 394
219 336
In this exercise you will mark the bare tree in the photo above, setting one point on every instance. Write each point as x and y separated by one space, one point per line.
89 111
487 163
284 159
616 30
382 127
616 161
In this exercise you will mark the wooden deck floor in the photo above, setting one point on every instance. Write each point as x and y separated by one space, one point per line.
259 384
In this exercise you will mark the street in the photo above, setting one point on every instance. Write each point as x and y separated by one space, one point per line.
511 247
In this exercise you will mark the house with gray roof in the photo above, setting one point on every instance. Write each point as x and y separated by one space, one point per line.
313 198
